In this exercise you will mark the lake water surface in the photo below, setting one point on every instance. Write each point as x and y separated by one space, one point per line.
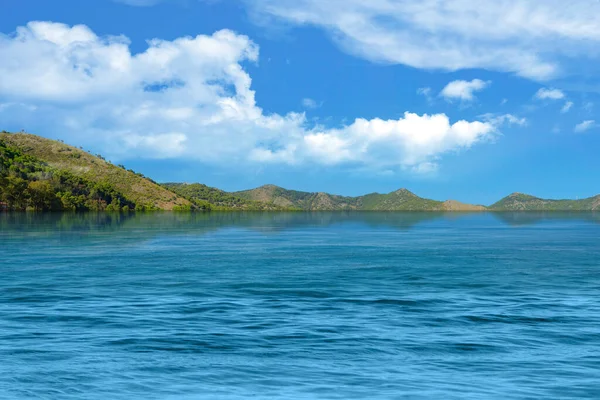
299 306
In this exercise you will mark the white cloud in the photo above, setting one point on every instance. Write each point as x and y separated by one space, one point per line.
585 125
310 103
55 62
463 90
170 144
192 98
565 109
412 140
549 94
505 119
531 38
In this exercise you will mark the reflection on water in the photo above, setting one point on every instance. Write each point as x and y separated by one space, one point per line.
535 217
173 223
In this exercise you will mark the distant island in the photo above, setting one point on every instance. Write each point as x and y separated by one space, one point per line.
47 175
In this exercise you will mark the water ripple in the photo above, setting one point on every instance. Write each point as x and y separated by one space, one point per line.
324 306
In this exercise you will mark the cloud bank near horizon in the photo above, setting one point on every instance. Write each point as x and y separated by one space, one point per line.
191 98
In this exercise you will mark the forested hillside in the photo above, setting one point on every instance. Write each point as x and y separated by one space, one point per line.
42 174
26 182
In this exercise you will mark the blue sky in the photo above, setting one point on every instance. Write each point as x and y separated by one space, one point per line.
449 99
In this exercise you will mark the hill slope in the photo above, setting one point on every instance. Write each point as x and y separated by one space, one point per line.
68 169
215 199
525 202
298 200
400 200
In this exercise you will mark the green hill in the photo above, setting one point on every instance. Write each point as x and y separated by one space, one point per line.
525 202
45 174
298 200
215 199
400 200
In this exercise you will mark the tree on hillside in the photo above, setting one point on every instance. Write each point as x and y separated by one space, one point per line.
15 193
41 195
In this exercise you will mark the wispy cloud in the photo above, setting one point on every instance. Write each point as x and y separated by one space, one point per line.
425 92
504 119
567 107
534 39
425 168
585 126
549 94
310 103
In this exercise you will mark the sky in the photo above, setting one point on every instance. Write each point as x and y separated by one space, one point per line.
451 99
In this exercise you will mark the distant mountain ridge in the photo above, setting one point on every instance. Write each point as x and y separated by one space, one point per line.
399 200
526 202
43 174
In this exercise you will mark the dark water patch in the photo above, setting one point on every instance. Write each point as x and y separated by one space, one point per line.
513 319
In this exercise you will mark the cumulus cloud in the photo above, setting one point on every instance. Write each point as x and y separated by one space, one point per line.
191 97
528 37
565 109
411 140
585 125
463 90
549 94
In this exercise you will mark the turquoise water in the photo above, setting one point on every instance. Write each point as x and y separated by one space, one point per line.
299 305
